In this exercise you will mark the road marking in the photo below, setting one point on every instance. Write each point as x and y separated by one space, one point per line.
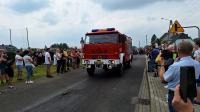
45 99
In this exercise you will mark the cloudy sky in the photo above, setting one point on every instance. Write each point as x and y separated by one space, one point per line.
55 21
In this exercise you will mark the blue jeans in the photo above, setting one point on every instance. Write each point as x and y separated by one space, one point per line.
19 67
170 98
29 70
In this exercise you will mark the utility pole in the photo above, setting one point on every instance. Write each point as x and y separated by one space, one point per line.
146 40
10 37
27 37
139 44
170 23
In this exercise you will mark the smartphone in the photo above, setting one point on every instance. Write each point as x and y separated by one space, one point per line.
188 88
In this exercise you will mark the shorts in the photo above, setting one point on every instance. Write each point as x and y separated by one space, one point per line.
2 71
10 72
198 83
19 67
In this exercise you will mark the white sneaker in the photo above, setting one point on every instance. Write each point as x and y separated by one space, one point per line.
31 82
27 82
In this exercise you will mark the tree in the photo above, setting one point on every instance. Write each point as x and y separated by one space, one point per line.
153 39
61 46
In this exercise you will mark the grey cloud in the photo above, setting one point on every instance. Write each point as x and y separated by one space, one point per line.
127 4
27 6
151 19
84 18
50 18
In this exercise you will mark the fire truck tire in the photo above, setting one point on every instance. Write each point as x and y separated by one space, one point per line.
91 71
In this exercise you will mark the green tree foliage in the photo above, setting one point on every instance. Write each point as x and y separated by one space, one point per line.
61 46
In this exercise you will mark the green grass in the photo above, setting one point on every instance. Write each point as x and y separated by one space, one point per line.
38 72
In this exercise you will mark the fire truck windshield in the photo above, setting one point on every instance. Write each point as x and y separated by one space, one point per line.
103 38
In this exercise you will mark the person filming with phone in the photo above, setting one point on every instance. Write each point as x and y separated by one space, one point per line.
172 76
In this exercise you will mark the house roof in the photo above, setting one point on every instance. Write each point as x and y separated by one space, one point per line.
180 36
165 36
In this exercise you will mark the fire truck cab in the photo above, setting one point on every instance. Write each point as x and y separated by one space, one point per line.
106 49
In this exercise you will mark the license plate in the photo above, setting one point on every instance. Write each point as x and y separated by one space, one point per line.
98 62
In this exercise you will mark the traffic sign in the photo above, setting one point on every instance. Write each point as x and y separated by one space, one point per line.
176 27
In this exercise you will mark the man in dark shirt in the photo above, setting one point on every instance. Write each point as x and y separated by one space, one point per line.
153 54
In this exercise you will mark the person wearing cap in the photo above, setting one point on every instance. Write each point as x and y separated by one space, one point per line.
172 75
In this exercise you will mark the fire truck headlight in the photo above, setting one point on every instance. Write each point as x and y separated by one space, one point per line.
89 66
87 62
109 67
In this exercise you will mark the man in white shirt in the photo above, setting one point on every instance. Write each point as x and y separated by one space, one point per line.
19 64
48 63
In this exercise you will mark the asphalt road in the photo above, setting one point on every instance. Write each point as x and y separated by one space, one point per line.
76 92
103 93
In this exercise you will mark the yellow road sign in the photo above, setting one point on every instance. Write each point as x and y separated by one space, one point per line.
176 27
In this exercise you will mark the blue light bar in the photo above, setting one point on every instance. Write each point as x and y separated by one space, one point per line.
95 30
108 29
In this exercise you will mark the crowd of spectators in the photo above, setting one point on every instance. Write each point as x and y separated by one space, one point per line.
64 60
166 60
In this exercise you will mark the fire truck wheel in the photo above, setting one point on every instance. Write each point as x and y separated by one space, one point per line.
91 71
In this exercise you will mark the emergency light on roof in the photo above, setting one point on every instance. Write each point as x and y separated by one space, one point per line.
108 29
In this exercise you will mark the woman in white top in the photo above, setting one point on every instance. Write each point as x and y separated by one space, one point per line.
54 60
29 66
19 64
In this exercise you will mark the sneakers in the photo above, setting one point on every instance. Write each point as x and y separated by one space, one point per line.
11 87
29 82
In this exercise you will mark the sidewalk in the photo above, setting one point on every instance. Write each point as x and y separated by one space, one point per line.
153 95
158 95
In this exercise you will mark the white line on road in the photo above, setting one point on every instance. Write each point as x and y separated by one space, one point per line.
45 99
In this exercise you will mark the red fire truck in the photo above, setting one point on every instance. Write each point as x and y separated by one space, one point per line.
107 49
